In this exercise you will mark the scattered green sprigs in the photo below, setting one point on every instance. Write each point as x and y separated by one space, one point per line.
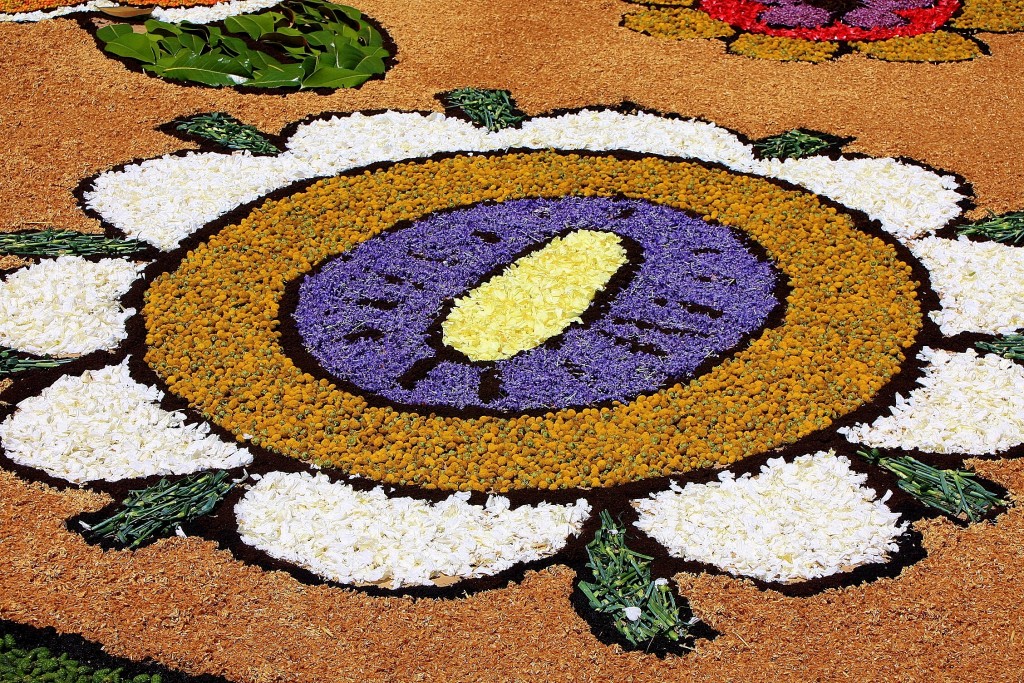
795 144
953 492
11 362
228 132
491 108
18 665
1007 228
61 242
302 44
642 609
1008 346
160 509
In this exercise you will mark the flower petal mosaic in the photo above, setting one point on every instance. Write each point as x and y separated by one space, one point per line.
434 353
820 30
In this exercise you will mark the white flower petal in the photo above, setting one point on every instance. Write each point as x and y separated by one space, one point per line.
980 284
801 520
366 537
66 305
966 404
103 425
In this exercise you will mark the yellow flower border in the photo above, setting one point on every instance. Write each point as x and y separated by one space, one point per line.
852 309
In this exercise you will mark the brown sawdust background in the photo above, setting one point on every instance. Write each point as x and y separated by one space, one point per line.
69 112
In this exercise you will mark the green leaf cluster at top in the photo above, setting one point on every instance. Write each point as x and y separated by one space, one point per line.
303 44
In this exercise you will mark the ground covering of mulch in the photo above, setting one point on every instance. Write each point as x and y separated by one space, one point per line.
70 112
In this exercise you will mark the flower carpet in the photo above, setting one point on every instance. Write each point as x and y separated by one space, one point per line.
531 342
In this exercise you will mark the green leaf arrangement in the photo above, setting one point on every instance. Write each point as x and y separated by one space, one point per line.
12 362
952 492
18 665
160 509
1007 228
60 242
228 132
795 144
641 609
303 44
1008 346
493 109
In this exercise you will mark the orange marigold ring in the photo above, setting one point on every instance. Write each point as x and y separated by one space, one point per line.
212 330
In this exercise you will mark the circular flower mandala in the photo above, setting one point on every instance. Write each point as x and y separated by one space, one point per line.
514 330
818 30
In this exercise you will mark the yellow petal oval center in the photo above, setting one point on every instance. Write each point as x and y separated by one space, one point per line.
535 298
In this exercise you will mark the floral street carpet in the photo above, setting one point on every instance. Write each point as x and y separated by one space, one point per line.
542 341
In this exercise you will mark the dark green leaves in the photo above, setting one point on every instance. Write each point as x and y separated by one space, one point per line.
60 242
1008 346
22 665
796 144
952 492
641 609
493 109
227 132
303 44
162 508
1007 228
11 362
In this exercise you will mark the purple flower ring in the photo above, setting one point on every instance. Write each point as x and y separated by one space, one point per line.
690 292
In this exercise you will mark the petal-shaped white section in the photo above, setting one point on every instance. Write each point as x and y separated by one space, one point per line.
148 200
204 14
366 537
103 425
966 404
980 284
40 15
207 14
909 201
67 305
794 521
164 200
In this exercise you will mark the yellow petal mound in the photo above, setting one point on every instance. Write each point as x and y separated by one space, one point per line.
535 298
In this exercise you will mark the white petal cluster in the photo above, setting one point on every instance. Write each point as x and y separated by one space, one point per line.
164 200
66 306
980 284
201 14
207 14
966 404
794 521
103 425
366 537
40 15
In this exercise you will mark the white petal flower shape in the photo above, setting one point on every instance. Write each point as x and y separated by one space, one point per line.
66 306
103 425
805 519
368 537
981 284
808 518
966 404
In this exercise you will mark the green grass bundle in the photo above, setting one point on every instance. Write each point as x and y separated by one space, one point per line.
641 609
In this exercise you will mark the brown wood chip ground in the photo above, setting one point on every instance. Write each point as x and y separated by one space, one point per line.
69 112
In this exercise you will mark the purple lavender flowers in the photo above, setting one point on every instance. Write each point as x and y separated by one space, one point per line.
372 316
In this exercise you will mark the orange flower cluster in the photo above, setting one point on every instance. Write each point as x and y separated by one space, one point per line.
212 331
